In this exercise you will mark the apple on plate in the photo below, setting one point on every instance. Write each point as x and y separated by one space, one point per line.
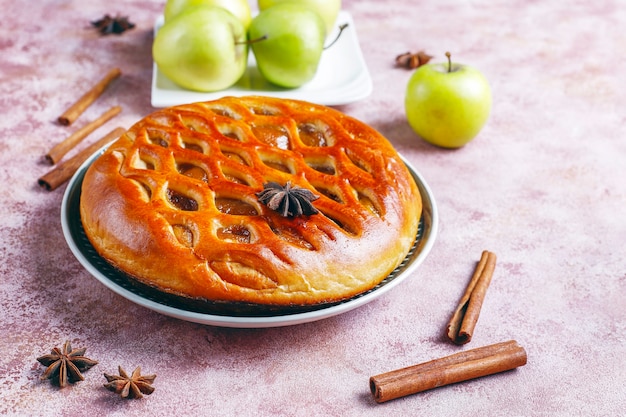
327 9
239 8
202 49
447 104
287 41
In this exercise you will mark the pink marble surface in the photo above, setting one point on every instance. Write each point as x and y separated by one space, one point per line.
542 186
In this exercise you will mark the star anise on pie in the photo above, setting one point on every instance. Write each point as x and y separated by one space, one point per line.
133 386
66 364
288 201
412 60
108 24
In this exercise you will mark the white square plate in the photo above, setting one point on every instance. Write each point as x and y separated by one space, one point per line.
342 77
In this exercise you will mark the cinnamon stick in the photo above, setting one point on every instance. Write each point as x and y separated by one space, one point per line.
66 169
458 367
59 150
463 321
72 113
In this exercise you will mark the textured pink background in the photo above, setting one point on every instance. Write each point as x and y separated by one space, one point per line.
542 186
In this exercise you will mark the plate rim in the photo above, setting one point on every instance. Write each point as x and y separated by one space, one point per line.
358 88
425 245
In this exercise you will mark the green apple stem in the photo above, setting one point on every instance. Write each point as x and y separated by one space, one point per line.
341 28
251 41
449 61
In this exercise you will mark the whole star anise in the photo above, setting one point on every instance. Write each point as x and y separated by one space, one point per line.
66 364
412 60
116 25
288 201
133 386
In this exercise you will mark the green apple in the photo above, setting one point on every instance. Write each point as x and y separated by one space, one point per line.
239 8
327 9
447 104
287 41
202 49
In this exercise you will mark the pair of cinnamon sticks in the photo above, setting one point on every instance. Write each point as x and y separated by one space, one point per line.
461 366
64 171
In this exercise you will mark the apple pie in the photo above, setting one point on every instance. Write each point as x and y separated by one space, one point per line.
251 204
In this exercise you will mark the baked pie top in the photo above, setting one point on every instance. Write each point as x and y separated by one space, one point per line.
174 203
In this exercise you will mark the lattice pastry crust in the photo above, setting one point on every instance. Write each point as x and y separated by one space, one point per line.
173 203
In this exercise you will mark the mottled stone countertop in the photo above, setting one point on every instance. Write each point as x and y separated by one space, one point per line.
543 186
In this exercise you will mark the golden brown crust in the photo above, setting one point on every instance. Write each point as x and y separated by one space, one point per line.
172 203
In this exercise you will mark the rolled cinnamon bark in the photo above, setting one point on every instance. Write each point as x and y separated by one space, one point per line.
58 151
463 321
458 367
72 113
66 169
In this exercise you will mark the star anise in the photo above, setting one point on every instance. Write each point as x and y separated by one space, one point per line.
412 60
133 386
108 24
66 364
288 201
